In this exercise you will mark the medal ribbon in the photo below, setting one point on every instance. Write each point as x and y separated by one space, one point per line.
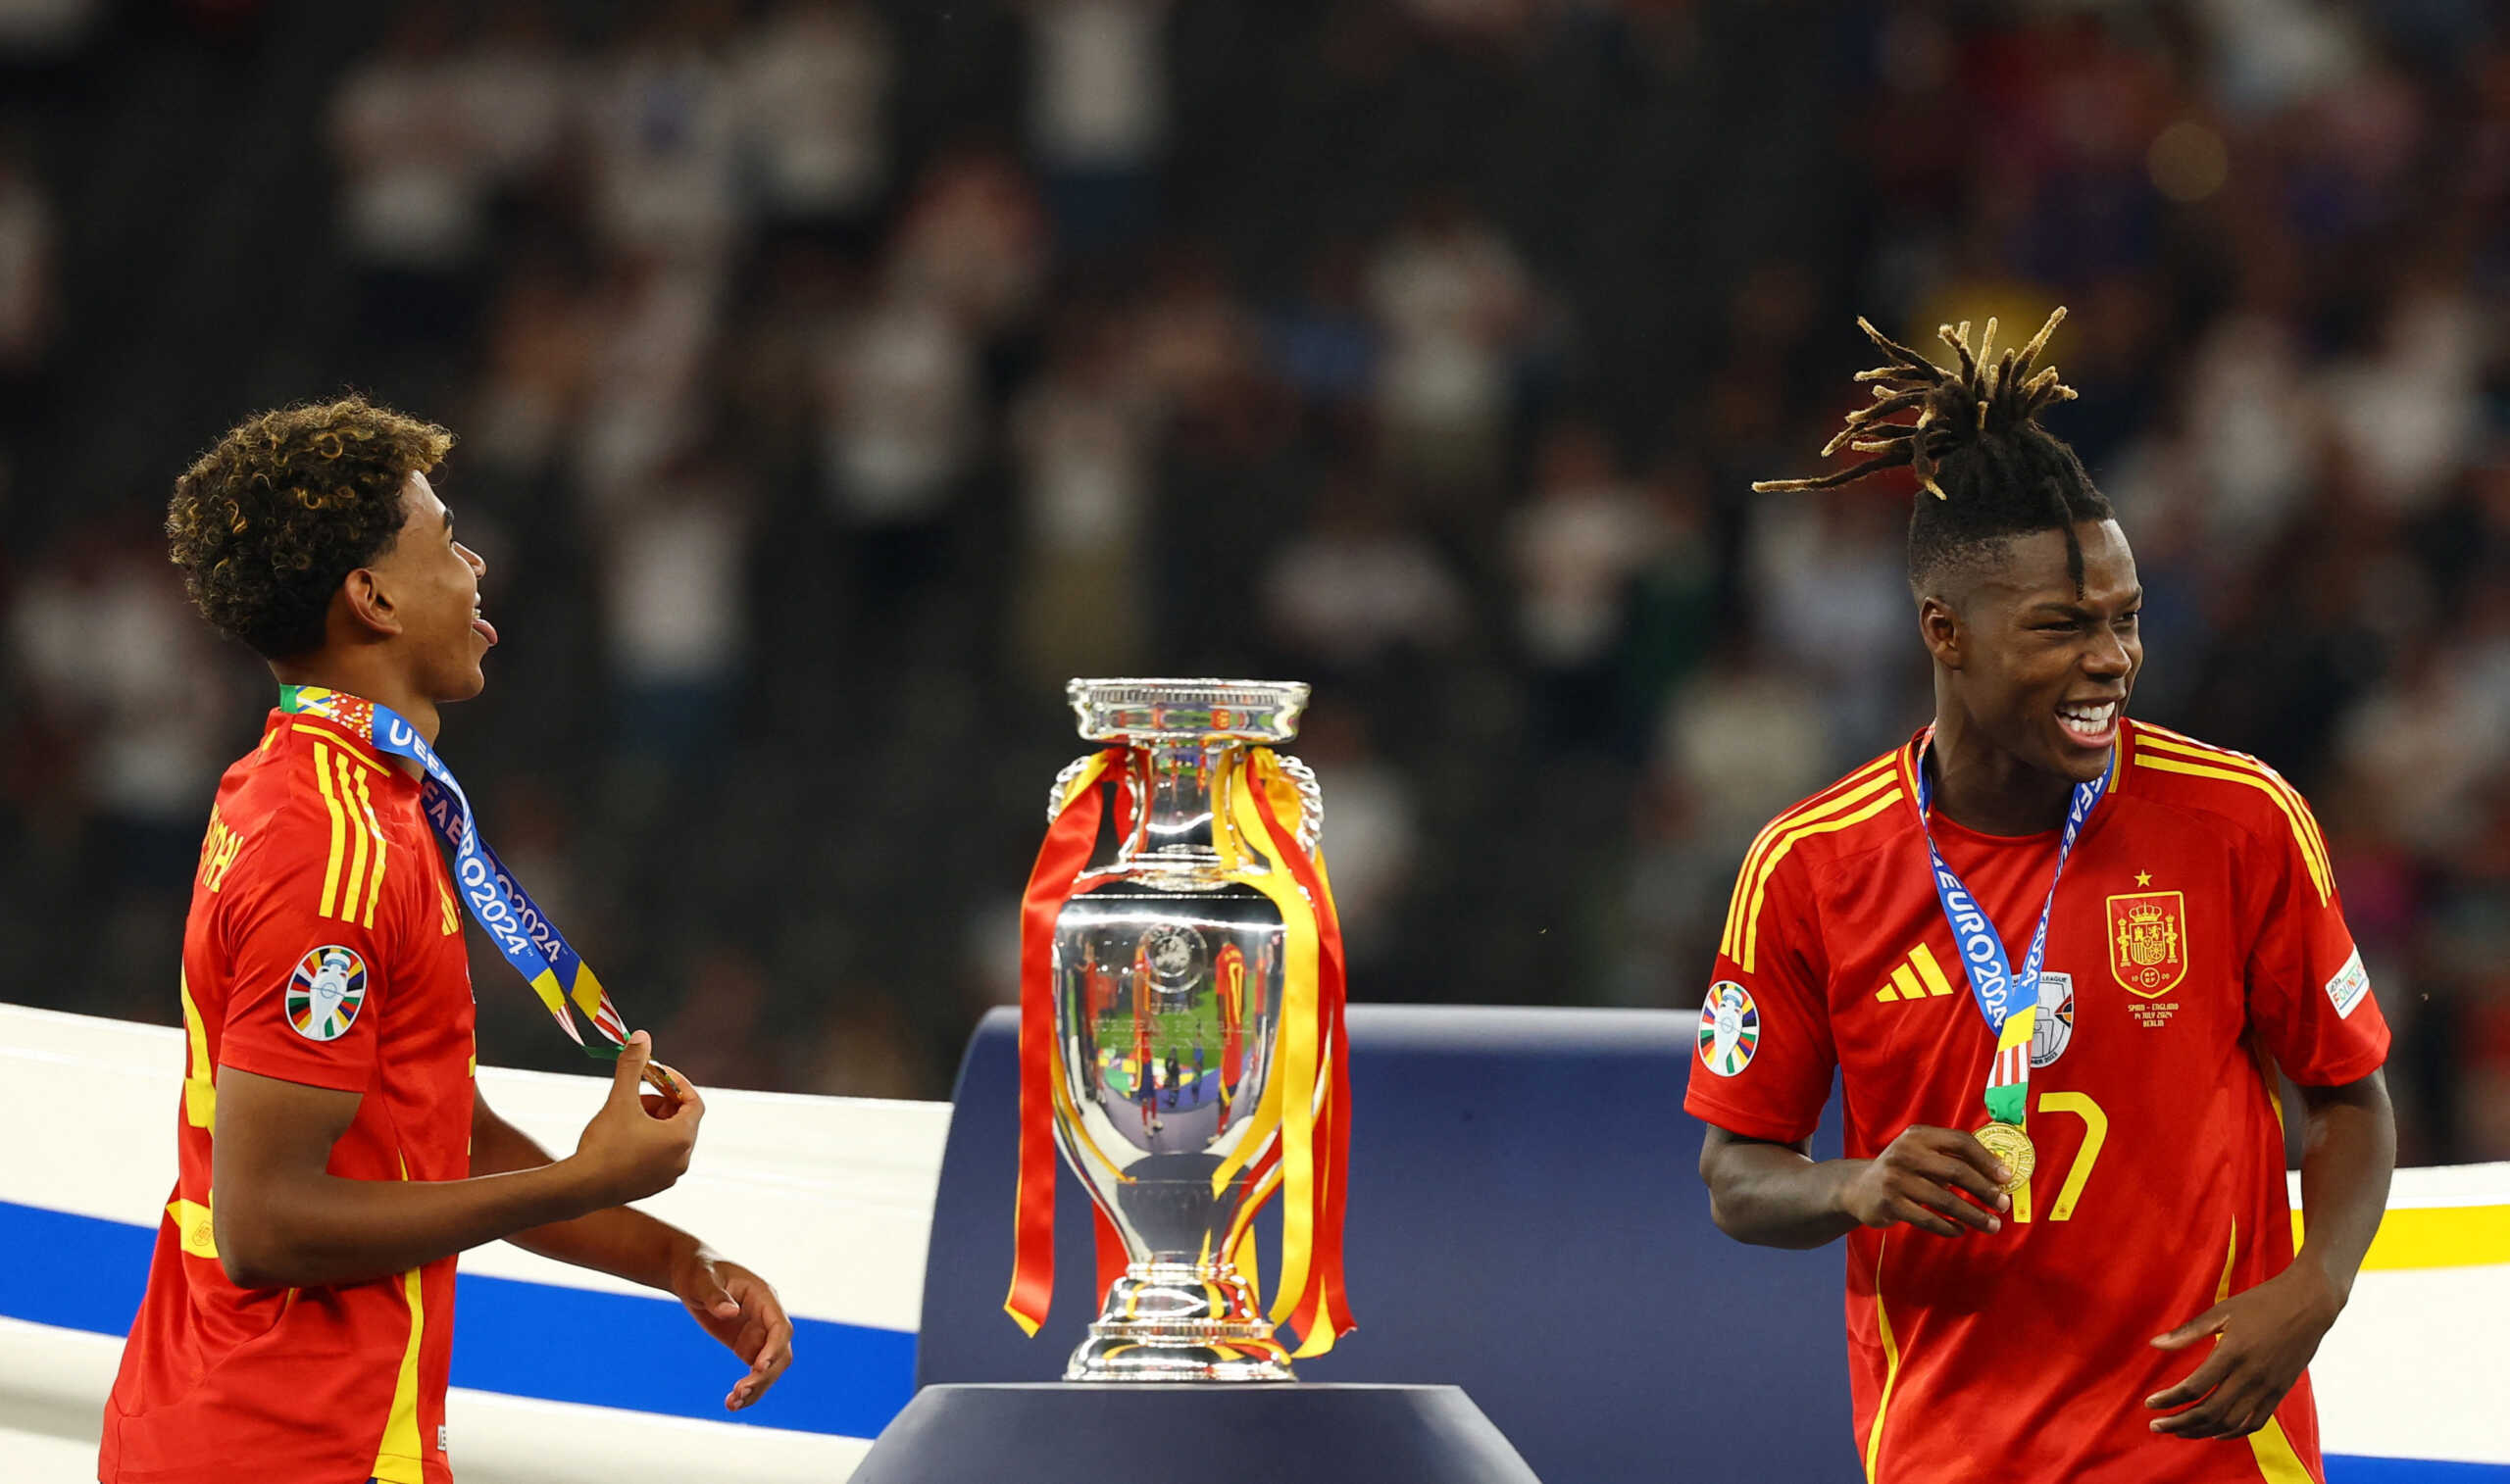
1994 982
521 930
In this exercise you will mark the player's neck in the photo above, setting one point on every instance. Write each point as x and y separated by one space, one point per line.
1980 786
368 674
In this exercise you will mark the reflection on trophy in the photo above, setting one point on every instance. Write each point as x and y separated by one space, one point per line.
1180 1033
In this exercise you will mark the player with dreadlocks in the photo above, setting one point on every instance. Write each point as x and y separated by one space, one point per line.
2053 957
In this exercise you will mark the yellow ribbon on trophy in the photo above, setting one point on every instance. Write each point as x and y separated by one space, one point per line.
1306 1165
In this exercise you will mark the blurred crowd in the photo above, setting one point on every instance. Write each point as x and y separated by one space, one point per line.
836 378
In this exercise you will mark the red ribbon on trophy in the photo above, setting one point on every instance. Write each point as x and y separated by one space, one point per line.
1060 861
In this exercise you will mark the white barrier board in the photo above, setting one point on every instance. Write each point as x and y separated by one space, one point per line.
831 1199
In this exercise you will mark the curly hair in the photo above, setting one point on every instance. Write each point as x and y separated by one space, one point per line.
267 521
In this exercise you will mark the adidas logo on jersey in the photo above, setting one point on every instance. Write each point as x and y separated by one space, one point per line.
1920 977
1916 978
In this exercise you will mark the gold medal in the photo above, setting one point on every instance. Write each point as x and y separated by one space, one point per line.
2009 1144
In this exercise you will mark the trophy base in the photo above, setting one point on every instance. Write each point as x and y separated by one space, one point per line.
1180 1322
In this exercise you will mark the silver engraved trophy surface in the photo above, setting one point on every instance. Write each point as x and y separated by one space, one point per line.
1168 993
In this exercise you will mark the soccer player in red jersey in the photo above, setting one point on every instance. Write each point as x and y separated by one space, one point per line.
334 1154
2140 1308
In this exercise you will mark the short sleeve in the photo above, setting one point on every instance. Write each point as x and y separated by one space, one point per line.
2309 996
1764 1058
308 968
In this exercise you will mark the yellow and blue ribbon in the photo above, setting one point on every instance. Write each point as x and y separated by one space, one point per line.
497 902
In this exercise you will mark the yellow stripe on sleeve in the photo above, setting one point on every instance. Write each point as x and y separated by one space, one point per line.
2301 833
375 882
1768 838
339 742
353 889
1749 953
1772 845
339 830
2162 739
2296 809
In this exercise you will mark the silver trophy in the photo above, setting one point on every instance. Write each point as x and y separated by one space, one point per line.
1168 979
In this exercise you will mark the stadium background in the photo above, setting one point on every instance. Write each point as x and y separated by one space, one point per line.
835 378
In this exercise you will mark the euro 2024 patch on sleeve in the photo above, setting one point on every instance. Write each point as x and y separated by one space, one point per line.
1729 1029
325 992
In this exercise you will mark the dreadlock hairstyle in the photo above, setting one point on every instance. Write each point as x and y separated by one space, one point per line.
1976 446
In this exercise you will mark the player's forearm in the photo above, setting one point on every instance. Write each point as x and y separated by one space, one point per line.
2349 1153
324 1228
1771 1194
618 1240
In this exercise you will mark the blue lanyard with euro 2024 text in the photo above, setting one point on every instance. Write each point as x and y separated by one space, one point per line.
1994 982
513 921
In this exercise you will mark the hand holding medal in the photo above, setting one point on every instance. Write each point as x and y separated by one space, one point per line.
639 1143
671 1092
2011 1147
1940 1180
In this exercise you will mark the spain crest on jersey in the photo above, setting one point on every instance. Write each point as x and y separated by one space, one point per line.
2149 941
325 992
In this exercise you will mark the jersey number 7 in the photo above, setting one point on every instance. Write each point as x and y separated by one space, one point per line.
2095 1132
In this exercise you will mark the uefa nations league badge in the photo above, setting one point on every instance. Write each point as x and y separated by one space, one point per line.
2054 1029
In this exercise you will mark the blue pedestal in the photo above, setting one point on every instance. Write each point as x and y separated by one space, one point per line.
1304 1433
1526 1222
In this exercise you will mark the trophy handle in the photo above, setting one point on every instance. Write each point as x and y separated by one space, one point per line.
1063 784
1311 801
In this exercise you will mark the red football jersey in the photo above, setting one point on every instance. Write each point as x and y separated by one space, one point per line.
324 947
2196 938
